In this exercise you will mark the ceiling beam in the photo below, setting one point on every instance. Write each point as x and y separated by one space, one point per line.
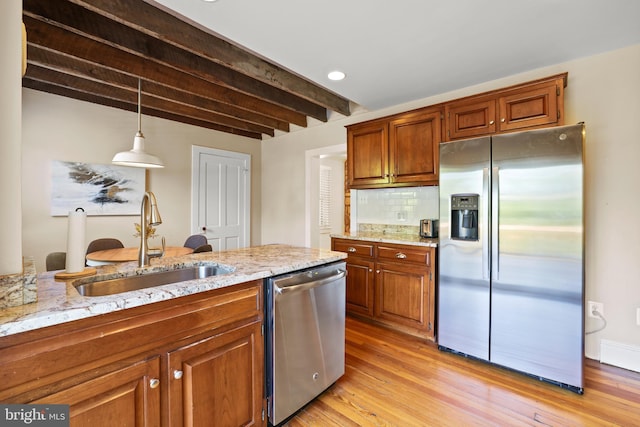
167 26
56 62
83 96
130 96
99 30
97 50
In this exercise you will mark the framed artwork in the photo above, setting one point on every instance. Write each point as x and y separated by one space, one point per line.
98 189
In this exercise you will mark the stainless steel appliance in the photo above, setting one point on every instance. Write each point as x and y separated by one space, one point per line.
511 269
429 228
305 317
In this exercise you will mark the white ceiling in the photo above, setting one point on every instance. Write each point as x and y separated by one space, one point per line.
396 51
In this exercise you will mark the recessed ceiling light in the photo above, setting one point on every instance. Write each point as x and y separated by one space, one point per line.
336 75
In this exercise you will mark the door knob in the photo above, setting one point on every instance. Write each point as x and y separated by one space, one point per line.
154 383
177 374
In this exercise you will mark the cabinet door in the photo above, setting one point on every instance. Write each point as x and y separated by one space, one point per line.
127 397
402 297
360 279
414 146
530 106
218 380
368 155
470 117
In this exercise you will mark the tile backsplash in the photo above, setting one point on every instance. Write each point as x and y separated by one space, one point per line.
395 206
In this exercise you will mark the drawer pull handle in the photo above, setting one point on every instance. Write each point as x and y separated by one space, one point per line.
400 255
154 383
351 249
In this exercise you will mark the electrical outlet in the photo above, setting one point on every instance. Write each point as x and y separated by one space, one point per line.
638 316
595 306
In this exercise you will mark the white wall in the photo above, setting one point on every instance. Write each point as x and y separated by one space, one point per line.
603 92
59 128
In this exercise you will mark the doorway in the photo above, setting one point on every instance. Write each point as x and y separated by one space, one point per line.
324 198
220 196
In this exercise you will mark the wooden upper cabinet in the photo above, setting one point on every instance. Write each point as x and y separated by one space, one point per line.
533 106
414 148
403 149
400 150
470 117
527 106
368 154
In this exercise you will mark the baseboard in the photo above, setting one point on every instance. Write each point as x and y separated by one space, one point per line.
625 356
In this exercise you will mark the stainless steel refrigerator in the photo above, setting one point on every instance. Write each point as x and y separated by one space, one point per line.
511 257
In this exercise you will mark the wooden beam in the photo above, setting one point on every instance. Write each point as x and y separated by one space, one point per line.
103 90
83 96
101 30
166 25
65 64
50 38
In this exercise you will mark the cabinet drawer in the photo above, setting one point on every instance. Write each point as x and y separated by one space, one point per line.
405 254
353 247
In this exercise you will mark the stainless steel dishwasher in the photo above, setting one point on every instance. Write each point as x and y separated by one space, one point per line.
304 346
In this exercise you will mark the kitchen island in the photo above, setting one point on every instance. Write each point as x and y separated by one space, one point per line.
59 302
177 354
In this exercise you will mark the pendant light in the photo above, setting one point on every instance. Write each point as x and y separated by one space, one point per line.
137 157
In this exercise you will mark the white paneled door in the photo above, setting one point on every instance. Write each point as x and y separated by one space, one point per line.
220 197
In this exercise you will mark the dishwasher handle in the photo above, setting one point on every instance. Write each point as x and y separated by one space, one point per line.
308 285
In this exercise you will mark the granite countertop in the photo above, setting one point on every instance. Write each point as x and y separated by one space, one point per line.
59 302
384 237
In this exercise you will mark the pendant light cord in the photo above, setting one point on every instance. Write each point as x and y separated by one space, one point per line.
139 105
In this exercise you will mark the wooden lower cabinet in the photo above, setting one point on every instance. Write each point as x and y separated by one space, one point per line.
360 278
191 361
126 397
402 297
218 378
393 285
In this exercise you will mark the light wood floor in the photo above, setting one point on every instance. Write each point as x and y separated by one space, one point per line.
395 380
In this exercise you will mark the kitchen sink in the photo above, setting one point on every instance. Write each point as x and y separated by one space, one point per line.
132 283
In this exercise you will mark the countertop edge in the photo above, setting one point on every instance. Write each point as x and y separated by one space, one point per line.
400 239
59 302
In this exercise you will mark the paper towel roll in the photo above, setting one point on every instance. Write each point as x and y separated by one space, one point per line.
75 241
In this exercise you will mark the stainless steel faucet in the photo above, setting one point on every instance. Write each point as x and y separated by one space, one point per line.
147 219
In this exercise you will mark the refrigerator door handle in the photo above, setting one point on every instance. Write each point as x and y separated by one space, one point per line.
495 214
485 229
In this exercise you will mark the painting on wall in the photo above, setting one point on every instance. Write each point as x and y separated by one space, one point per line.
98 189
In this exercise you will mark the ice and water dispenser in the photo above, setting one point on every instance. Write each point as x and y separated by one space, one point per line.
464 216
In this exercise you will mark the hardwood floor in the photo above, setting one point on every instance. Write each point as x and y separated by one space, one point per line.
393 379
